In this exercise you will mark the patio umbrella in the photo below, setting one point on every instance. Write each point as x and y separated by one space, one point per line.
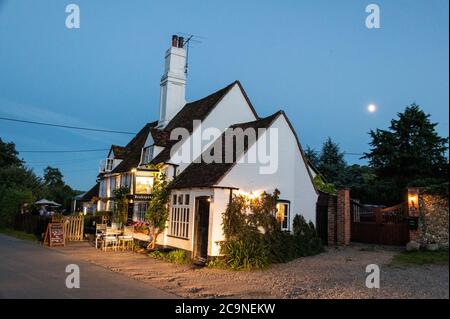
44 202
47 202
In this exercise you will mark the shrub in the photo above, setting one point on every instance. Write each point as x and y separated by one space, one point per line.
250 252
308 243
282 246
217 262
177 256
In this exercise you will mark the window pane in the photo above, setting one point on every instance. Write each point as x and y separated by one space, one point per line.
186 199
180 199
174 199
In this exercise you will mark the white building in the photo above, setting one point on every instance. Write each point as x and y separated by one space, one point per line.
201 191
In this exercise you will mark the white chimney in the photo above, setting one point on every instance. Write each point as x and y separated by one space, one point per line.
173 82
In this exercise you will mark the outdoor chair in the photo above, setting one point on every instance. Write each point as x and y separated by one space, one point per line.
110 242
110 239
127 239
100 231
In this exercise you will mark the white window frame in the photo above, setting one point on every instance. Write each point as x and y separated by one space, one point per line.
139 212
286 216
180 216
147 154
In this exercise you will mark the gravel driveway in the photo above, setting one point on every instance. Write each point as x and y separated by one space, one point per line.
337 273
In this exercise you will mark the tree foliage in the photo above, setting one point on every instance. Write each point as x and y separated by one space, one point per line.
158 208
253 236
20 185
409 153
120 213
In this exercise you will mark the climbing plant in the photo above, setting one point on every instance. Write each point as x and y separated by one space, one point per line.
158 209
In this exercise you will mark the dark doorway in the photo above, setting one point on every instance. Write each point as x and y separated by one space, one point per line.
322 216
201 229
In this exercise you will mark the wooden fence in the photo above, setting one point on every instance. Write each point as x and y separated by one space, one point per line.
31 224
385 226
74 227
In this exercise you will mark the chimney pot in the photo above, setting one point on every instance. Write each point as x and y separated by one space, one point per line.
174 41
181 42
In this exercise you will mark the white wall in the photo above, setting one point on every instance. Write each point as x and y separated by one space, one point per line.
291 177
186 244
232 109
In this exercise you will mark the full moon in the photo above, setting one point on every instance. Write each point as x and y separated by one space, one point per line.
372 108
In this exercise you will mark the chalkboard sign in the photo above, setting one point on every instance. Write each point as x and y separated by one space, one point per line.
55 235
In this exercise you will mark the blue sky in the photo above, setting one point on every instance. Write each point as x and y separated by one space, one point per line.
314 59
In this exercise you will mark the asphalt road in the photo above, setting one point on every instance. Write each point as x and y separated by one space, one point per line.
29 270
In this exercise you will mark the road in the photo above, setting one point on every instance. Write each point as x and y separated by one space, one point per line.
29 270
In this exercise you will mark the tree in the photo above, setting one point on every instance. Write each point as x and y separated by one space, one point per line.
8 155
120 213
331 163
408 153
158 208
312 156
53 177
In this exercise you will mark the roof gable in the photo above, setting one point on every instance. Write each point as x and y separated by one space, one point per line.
134 148
204 174
197 110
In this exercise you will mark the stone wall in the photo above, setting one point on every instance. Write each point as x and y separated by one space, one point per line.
433 220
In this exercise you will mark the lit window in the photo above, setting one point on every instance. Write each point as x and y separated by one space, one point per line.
283 215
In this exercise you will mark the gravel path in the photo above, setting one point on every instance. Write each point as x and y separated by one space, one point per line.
337 273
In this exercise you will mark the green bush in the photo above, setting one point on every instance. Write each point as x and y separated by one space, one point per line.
282 246
177 256
217 262
248 253
308 243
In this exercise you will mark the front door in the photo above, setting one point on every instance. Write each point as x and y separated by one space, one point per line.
201 229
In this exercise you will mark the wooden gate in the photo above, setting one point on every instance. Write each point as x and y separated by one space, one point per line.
74 227
385 226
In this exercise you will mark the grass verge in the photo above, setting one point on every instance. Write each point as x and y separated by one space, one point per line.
417 258
18 234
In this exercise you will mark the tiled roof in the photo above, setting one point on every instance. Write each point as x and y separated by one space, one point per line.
209 174
134 148
120 152
93 192
197 110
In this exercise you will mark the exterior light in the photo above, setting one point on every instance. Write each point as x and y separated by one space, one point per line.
133 170
413 201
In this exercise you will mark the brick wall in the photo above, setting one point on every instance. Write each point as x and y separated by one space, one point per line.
339 219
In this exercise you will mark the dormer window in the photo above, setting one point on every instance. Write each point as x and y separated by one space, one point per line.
107 165
147 155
